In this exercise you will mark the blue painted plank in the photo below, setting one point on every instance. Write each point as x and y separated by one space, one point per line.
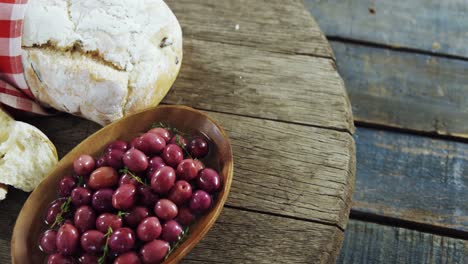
430 25
373 243
406 90
410 177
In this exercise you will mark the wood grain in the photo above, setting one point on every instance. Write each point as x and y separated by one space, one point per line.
64 130
405 90
246 81
429 25
273 25
373 243
10 208
288 169
414 178
248 237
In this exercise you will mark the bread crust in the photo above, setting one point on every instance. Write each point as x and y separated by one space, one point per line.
101 59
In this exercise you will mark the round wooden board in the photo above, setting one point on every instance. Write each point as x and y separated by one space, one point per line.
266 73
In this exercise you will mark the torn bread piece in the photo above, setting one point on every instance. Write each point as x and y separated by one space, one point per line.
26 154
3 191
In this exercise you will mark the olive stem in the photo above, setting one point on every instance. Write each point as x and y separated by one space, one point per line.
63 210
138 179
176 132
179 143
80 181
102 259
168 128
184 237
122 214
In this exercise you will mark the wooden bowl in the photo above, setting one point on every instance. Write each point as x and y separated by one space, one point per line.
30 223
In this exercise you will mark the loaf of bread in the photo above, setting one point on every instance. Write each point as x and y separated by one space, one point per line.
26 155
100 59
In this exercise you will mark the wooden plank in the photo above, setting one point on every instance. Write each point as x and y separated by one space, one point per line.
247 237
246 81
274 25
373 243
241 236
64 130
405 90
282 168
412 177
291 170
10 208
429 25
5 250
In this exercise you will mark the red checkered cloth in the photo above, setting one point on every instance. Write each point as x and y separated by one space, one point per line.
14 90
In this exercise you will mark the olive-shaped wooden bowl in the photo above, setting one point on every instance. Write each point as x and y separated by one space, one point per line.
30 222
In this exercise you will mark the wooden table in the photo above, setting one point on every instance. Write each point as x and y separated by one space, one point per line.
405 65
265 71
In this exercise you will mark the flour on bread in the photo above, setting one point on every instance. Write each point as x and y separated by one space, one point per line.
138 41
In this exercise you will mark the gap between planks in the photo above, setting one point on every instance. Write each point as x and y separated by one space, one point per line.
270 119
403 130
272 51
283 216
245 237
401 179
367 242
394 47
430 25
411 225
405 90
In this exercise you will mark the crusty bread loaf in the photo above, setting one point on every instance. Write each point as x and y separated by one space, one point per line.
100 59
26 155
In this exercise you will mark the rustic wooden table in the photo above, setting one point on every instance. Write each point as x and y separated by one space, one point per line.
405 66
265 71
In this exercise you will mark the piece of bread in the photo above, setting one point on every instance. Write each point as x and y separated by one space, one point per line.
26 155
100 59
3 191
